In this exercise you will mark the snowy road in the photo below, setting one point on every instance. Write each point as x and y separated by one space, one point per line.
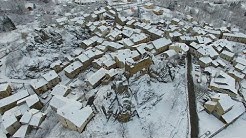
192 99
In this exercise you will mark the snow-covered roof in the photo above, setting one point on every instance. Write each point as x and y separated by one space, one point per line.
236 73
205 60
215 32
215 63
244 71
88 42
130 22
156 31
162 42
141 48
4 86
127 32
187 38
240 66
8 120
240 60
49 76
14 111
207 51
25 119
109 62
103 28
211 103
97 39
223 43
36 119
58 101
224 29
73 66
123 54
175 34
21 132
222 63
224 81
13 98
182 46
101 48
113 45
56 63
138 37
37 83
170 53
128 42
97 76
30 100
60 90
203 40
75 115
213 37
147 27
224 100
112 72
225 52
32 117
97 52
140 25
237 110
89 53
83 58
195 45
77 51
114 33
241 35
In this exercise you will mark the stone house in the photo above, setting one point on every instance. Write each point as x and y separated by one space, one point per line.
5 90
11 101
52 78
73 69
161 44
75 118
132 67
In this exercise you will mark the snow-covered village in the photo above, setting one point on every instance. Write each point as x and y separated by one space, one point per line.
122 69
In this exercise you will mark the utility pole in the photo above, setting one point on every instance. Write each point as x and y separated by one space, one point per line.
139 11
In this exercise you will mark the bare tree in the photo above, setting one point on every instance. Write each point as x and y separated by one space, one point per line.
150 130
122 130
13 59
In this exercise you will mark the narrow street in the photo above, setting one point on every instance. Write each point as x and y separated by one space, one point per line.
192 99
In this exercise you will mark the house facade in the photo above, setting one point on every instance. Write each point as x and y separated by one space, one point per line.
5 90
134 67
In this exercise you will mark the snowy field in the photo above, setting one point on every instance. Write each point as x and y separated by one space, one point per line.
235 130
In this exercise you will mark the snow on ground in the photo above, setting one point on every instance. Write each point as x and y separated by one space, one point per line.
235 130
13 36
165 116
208 124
